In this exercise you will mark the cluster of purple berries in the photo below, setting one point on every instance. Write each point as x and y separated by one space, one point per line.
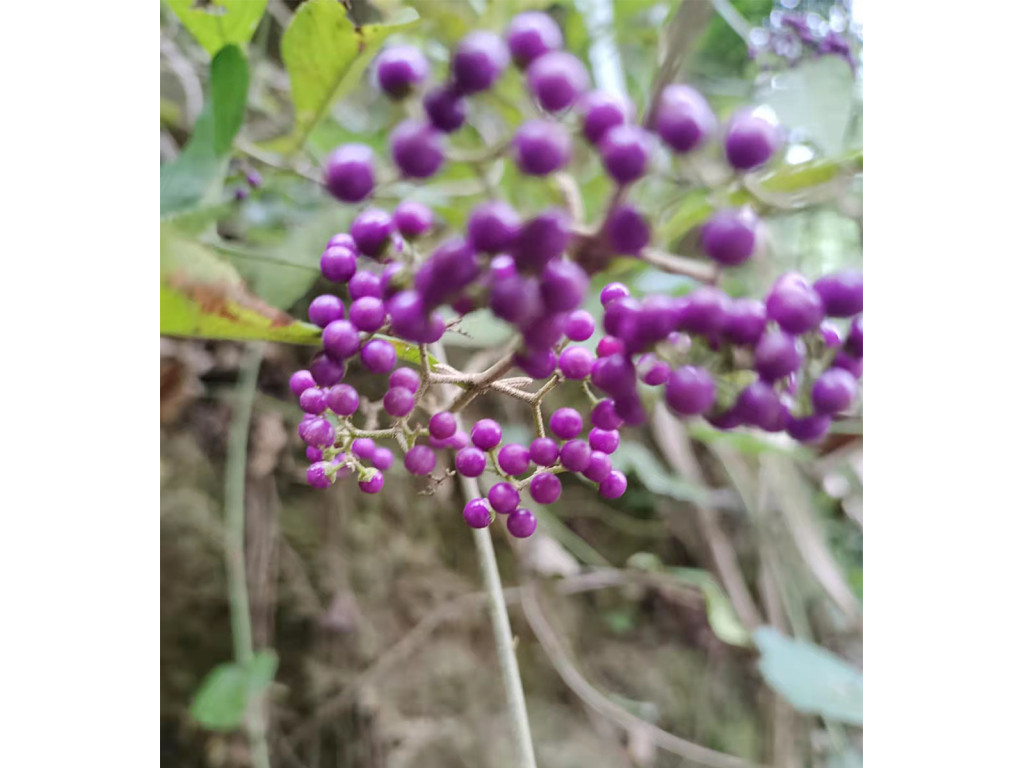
400 269
794 37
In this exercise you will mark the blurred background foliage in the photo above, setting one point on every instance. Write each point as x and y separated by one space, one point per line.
719 599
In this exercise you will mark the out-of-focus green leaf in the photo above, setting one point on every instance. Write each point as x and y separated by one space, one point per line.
812 679
479 329
216 23
745 442
325 54
225 692
194 178
636 458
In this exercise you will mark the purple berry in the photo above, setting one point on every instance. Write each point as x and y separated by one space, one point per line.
625 151
604 440
628 231
343 399
557 79
404 377
794 304
727 419
476 513
541 147
516 299
470 462
417 148
544 452
613 486
630 408
855 338
378 356
382 459
537 363
458 441
502 266
544 332
575 455
566 423
842 293
604 417
374 484
363 448
832 392
614 374
486 434
301 381
442 425
830 334
399 402
420 460
413 219
563 285
531 35
364 284
326 372
313 400
541 239
760 406
400 68
371 230
325 309
338 264
730 236
521 523
367 314
690 391
478 62
808 429
348 173
492 227
579 325
319 433
503 497
653 372
341 240
316 475
314 454
601 112
703 311
777 355
613 292
683 119
514 459
446 108
340 339
745 321
750 140
575 362
545 488
599 466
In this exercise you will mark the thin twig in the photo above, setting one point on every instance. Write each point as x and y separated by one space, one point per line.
703 271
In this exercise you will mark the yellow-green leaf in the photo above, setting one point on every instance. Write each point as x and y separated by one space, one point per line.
216 23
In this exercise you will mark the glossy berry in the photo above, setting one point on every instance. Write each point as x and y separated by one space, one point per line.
653 372
759 405
614 374
326 372
319 433
777 355
316 475
404 377
374 484
604 440
503 497
367 314
341 240
563 286
363 448
486 434
545 488
348 173
399 402
601 112
566 423
478 62
300 382
363 284
690 391
417 148
476 513
343 399
750 140
313 400
371 230
531 35
325 309
703 311
575 362
521 523
599 466
794 304
613 292
628 231
544 452
557 79
745 321
446 108
340 339
420 460
603 416
609 345
493 226
730 236
442 425
625 151
514 459
579 325
808 429
382 458
842 293
684 119
470 462
338 264
613 486
413 219
401 68
540 147
575 455
833 391
378 356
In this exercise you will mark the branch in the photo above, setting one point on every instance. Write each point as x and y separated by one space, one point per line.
705 272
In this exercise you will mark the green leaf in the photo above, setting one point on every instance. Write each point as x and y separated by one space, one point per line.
325 54
202 296
813 680
637 458
194 178
216 23
225 692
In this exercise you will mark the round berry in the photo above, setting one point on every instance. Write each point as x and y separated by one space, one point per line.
300 382
476 513
683 119
325 309
338 264
514 459
364 284
516 299
855 338
544 332
486 434
374 484
625 151
363 448
614 374
759 405
378 356
341 240
830 334
575 362
842 293
854 365
613 486
777 355
541 147
400 68
382 459
348 173
703 311
628 231
601 112
566 423
613 292
326 372
446 108
832 392
343 399
442 425
413 219
367 314
690 391
579 325
609 346
653 372
745 321
604 440
537 363
545 488
478 62
794 304
340 339
399 402
404 377
751 139
492 227
470 462
544 452
808 429
420 460
371 230
730 236
521 523
557 79
313 400
541 239
417 148
319 433
563 285
575 455
599 466
603 416
316 475
531 35
503 497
